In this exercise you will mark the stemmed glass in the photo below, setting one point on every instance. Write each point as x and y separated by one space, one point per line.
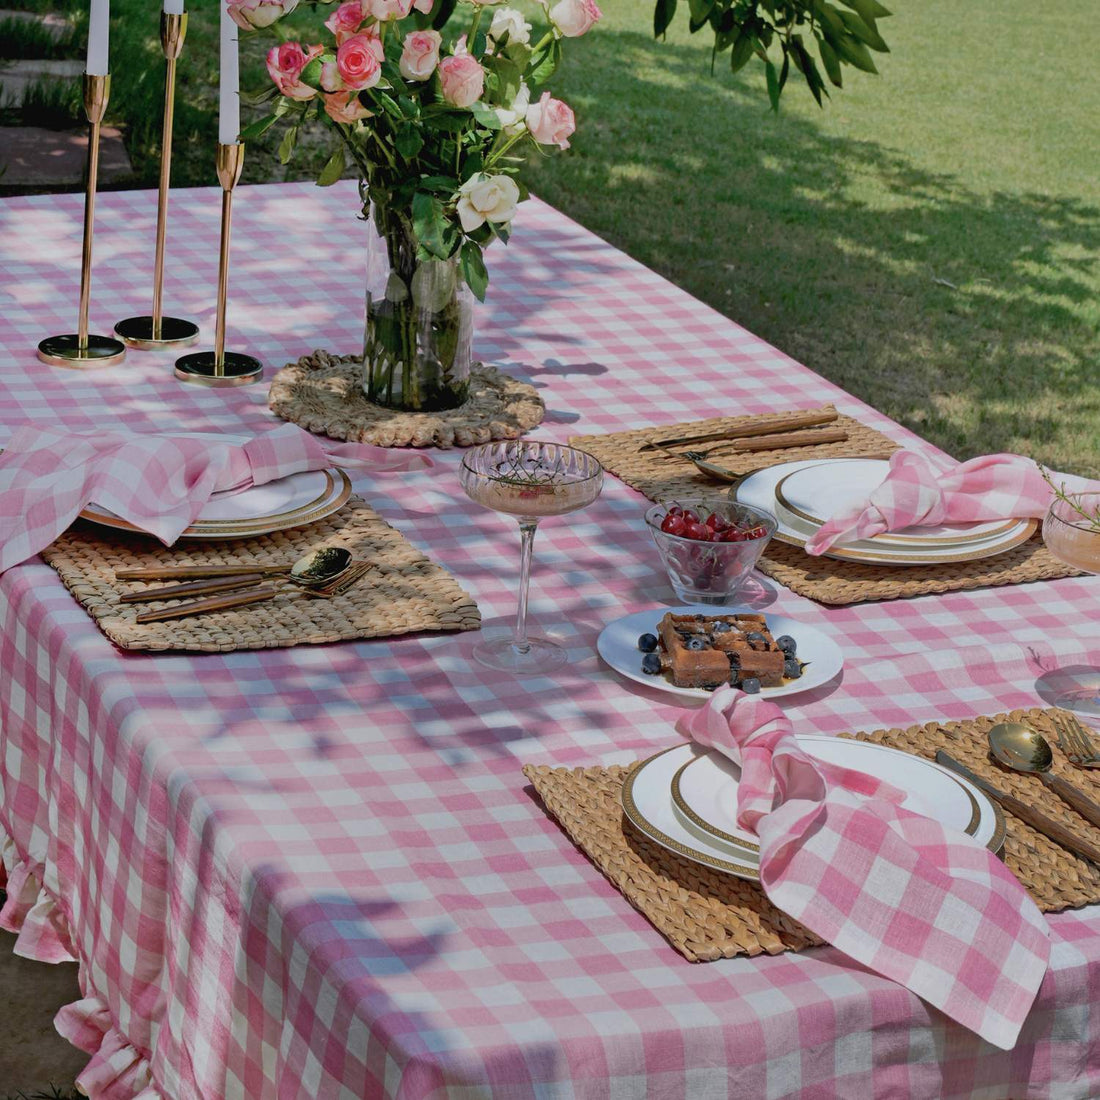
528 479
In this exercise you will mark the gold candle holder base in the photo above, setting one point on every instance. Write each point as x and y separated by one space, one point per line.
237 369
220 367
155 332
175 332
82 350
69 351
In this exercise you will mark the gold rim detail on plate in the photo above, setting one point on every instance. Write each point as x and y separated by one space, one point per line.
914 559
297 517
681 804
889 538
648 829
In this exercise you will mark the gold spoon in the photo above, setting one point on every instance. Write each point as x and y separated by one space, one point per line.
1024 749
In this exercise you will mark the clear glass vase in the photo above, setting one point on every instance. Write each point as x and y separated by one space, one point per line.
419 327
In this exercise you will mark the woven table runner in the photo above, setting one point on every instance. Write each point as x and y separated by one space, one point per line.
323 393
403 592
708 915
661 475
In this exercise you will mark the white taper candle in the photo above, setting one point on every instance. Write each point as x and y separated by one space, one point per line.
173 7
229 87
99 18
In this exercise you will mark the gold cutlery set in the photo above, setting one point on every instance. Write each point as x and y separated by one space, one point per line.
1020 748
324 573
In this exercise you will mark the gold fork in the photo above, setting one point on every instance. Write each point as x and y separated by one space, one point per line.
1075 741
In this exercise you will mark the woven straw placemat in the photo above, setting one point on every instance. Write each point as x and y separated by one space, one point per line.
403 592
323 393
660 475
709 915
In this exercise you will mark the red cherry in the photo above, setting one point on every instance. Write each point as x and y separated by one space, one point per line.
696 530
756 533
716 523
675 510
730 534
673 525
690 516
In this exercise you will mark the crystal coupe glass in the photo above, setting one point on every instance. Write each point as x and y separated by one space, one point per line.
529 479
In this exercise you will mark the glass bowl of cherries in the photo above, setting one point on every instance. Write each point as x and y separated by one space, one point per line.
709 547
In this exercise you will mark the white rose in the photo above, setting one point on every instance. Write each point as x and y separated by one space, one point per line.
486 199
511 22
575 17
512 117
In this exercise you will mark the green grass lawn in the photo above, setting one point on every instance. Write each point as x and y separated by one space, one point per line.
929 240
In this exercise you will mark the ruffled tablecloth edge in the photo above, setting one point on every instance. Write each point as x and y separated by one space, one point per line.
116 1070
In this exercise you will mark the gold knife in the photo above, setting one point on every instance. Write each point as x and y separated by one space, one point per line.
1053 830
764 425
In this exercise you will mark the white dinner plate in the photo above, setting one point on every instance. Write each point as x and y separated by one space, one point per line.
618 646
817 492
648 798
281 505
759 490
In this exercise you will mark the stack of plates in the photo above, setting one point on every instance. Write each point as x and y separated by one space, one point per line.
685 799
281 505
803 495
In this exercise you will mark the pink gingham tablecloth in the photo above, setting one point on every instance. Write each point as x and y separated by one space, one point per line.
315 872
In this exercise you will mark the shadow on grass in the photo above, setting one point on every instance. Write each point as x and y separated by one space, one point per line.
967 316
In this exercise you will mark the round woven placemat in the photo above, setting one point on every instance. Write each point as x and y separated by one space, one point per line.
708 915
323 394
403 592
660 475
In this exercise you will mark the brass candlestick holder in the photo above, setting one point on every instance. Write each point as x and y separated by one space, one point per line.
219 367
79 349
157 331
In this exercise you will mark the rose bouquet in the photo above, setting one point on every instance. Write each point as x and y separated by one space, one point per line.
436 120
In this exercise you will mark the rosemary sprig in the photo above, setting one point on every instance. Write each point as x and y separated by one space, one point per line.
1073 501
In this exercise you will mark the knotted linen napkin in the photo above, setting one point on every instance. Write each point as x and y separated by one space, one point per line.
916 492
159 483
913 900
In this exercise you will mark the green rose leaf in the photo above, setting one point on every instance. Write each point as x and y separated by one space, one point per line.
473 269
545 63
311 74
286 146
430 223
258 128
333 169
408 142
485 116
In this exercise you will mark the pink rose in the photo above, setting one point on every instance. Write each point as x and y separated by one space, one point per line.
551 122
385 10
345 107
420 54
461 79
256 14
345 20
424 6
574 17
357 62
285 64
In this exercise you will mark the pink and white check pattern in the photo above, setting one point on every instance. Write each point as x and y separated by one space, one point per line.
918 490
922 904
314 872
158 483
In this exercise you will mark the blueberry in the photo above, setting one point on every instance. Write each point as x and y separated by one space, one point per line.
651 664
792 668
755 638
720 627
695 642
647 643
787 644
750 685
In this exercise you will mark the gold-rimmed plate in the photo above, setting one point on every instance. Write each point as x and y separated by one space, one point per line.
705 829
823 489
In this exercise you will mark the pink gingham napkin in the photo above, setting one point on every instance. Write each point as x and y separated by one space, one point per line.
917 902
916 492
158 483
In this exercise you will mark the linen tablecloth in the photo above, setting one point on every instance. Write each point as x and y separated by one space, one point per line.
315 872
